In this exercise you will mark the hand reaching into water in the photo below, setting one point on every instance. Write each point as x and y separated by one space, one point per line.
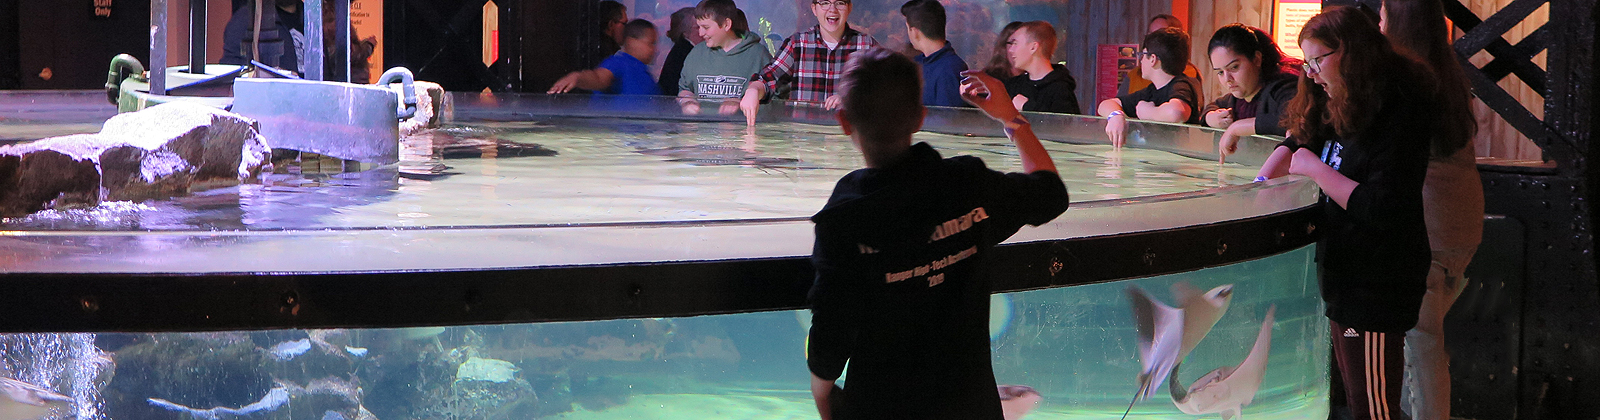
1228 144
749 104
1117 129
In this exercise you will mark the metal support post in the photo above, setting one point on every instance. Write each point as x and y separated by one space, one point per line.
158 47
312 62
197 36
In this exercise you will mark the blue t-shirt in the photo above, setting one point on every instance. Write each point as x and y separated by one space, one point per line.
631 76
941 77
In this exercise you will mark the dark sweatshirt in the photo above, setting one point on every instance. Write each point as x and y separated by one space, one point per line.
1056 92
1374 254
1267 107
900 290
717 73
941 77
672 69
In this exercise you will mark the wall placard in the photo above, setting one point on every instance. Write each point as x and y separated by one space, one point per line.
1113 63
1289 17
366 21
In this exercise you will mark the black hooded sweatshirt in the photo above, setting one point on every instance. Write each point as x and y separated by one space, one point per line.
900 290
1374 254
1056 92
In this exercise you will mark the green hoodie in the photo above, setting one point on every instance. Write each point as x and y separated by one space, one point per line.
716 73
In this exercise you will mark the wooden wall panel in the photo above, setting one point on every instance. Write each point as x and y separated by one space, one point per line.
1495 137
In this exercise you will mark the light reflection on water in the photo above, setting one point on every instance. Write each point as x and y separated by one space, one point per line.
1074 344
614 170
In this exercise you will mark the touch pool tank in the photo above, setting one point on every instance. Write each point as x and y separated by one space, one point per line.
653 267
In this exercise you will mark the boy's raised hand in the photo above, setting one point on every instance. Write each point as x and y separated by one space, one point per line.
988 94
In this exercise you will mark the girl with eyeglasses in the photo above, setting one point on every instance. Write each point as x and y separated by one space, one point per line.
1360 128
1260 83
999 66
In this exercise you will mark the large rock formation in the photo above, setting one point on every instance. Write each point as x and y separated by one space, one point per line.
167 150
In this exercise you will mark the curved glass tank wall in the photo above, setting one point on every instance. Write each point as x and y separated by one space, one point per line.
653 267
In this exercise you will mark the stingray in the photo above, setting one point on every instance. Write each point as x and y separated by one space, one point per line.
1167 334
1226 390
709 155
1017 400
27 401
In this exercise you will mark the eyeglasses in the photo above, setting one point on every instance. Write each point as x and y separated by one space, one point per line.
1313 65
1142 54
836 4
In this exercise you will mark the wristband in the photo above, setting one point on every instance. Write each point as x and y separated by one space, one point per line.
1115 114
1016 122
1260 179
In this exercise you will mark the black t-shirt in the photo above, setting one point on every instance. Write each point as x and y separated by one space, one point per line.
900 291
1374 253
1183 88
1056 92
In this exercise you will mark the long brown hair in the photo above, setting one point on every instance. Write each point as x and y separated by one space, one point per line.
1418 27
1368 66
1000 66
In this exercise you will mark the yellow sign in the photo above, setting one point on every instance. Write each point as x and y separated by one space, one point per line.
1288 18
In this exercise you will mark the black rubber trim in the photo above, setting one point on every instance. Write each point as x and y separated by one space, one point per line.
247 301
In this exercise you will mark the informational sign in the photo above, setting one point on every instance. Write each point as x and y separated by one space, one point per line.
1288 18
366 21
1113 65
102 8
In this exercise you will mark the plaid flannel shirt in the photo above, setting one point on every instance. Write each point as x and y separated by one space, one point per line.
811 65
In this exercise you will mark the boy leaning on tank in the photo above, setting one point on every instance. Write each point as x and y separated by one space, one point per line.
900 290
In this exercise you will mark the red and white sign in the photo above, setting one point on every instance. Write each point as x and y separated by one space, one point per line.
1113 63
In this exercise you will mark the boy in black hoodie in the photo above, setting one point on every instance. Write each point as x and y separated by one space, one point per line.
900 290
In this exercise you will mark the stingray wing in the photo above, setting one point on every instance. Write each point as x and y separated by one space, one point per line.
1160 330
1185 292
1201 312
